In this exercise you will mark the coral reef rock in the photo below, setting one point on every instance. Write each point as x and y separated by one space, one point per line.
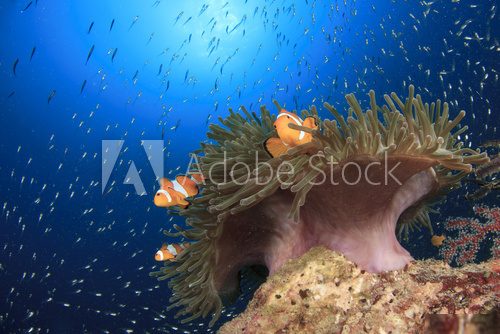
323 292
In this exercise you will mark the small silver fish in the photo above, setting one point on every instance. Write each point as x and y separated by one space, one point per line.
51 96
14 66
91 51
114 54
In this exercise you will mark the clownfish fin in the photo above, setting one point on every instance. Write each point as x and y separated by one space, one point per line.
310 122
198 178
164 246
275 147
183 204
188 184
182 179
165 183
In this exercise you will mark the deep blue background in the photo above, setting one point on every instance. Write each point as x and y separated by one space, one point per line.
73 259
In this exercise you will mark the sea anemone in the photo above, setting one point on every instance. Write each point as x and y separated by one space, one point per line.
388 163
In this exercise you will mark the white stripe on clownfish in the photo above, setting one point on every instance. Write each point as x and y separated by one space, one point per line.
160 254
297 121
164 192
178 187
172 250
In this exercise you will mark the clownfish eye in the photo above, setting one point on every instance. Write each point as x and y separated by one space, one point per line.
287 116
274 126
157 194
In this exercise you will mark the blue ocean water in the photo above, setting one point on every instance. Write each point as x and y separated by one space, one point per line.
74 259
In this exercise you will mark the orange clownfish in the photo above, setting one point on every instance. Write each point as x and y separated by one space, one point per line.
437 240
170 252
288 137
174 193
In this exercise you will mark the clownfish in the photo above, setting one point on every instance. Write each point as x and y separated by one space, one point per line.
170 252
437 240
288 137
174 193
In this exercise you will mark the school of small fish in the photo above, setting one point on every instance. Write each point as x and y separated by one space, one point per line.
75 259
